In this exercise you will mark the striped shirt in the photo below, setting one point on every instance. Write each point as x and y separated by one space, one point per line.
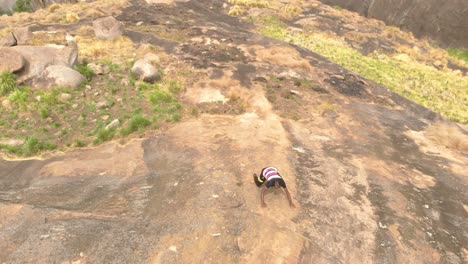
270 173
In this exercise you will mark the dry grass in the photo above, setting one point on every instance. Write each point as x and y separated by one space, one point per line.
251 3
95 49
65 13
41 38
449 136
236 11
283 56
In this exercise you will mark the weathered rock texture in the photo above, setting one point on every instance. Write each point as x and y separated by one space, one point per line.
60 76
39 58
10 60
107 28
443 21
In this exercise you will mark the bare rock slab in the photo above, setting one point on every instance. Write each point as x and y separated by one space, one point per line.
107 28
11 60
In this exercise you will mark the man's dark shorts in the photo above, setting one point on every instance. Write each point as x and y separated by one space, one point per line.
271 183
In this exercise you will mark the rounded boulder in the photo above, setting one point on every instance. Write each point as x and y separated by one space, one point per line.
11 60
145 71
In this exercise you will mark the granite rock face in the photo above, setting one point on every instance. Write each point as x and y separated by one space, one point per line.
446 22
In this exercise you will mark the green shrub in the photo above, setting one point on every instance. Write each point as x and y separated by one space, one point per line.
44 112
31 146
104 135
460 54
23 6
158 97
136 123
18 97
85 71
7 83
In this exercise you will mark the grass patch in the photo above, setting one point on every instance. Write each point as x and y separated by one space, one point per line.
96 50
460 54
19 98
165 105
7 83
135 124
85 70
443 92
449 136
104 135
31 146
251 3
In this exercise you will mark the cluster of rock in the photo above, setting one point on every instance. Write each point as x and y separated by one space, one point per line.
40 66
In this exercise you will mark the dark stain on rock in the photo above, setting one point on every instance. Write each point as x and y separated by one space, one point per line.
348 85
216 74
244 74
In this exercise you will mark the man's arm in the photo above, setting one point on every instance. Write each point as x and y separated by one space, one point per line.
289 197
262 195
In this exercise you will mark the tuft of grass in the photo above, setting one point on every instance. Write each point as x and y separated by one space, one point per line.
460 54
104 135
44 112
137 123
449 136
18 97
236 11
174 86
96 49
291 10
165 105
251 3
85 71
7 83
441 91
31 146
53 7
337 7
80 143
71 18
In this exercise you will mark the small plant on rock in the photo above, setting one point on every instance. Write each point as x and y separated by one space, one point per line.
7 83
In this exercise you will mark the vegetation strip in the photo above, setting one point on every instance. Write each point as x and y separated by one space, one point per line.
441 91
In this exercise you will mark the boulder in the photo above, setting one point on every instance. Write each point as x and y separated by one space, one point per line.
8 41
107 28
23 35
145 71
38 58
98 69
60 76
11 60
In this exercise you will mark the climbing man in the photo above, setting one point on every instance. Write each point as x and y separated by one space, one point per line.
268 178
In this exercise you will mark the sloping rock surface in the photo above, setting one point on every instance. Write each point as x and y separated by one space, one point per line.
369 185
444 21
